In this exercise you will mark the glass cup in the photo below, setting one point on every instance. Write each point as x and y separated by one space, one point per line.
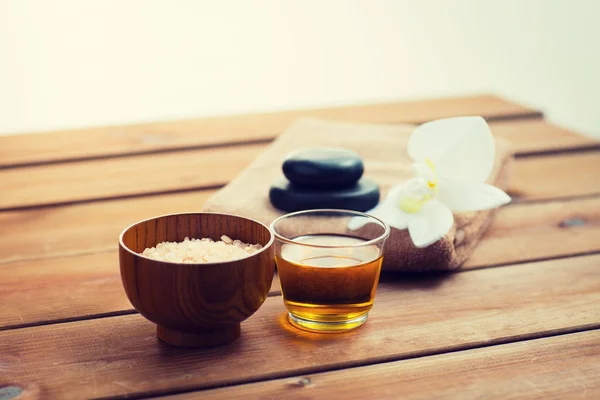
329 263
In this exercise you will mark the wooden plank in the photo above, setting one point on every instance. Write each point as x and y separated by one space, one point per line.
120 177
534 136
570 225
557 176
534 231
431 315
161 136
43 290
59 289
534 178
566 366
62 231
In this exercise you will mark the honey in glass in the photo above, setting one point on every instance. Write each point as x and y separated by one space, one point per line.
329 280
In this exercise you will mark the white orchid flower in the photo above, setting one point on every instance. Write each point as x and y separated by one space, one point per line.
452 160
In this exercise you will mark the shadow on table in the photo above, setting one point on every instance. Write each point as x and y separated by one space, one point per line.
415 280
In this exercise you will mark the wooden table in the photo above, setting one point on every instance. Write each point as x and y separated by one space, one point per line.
520 320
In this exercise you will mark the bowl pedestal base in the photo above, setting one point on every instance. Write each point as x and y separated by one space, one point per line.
199 339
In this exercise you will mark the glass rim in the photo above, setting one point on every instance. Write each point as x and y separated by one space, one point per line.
383 236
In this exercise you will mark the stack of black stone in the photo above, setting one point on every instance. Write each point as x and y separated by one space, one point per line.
324 177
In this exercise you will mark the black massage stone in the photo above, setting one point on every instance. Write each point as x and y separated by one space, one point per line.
361 196
323 167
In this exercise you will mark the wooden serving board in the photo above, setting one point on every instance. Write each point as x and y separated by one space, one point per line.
519 320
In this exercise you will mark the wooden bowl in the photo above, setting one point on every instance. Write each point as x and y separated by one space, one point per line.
196 305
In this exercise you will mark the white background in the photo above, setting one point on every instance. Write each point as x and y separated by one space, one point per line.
82 63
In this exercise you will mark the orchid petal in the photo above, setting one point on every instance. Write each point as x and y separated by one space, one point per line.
472 157
430 224
391 215
461 148
469 196
395 192
387 211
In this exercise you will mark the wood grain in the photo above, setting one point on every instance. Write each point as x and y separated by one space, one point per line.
566 366
52 290
562 175
570 225
534 177
62 288
431 315
119 177
533 231
83 228
413 316
533 136
192 305
70 287
161 136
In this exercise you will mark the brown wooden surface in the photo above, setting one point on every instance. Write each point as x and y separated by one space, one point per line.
520 232
68 331
61 288
411 318
552 175
558 367
132 139
539 230
160 173
67 229
57 289
536 136
119 177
